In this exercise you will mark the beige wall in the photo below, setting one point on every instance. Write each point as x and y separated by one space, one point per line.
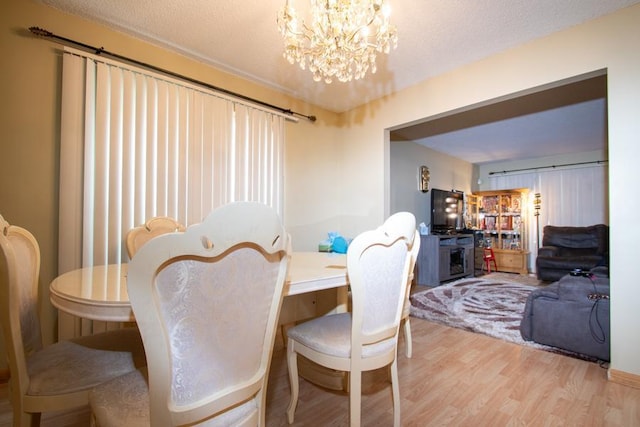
337 169
446 173
609 43
29 119
314 168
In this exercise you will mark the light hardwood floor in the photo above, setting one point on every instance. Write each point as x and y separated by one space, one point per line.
455 378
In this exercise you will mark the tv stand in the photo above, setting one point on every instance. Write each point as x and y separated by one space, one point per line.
444 257
443 232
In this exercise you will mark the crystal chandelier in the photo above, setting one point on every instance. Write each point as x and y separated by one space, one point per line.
342 39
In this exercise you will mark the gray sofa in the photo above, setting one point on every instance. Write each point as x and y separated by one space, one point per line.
572 314
567 248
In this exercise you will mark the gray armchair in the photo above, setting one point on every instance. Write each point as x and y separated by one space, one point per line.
567 248
572 314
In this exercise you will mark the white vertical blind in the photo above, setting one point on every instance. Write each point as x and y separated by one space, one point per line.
571 196
137 144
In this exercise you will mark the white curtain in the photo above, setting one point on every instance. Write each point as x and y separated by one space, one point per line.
571 196
136 144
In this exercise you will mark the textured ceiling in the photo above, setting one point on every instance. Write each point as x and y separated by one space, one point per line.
435 36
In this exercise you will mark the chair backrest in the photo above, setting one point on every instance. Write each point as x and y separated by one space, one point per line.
404 223
207 303
378 263
19 276
415 249
588 240
138 236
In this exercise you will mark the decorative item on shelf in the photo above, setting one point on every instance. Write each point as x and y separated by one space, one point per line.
515 204
505 223
490 223
341 39
423 178
505 203
490 204
515 244
537 202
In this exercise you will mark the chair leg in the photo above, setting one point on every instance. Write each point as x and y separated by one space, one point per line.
355 398
283 330
407 338
395 387
292 364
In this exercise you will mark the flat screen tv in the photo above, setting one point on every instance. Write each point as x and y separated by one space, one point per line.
446 211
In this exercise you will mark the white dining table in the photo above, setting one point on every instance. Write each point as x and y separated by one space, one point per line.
100 292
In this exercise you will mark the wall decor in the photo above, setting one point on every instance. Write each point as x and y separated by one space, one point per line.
423 178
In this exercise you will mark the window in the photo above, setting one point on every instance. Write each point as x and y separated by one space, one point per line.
137 144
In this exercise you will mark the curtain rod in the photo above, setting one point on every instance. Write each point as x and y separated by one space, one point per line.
550 167
101 51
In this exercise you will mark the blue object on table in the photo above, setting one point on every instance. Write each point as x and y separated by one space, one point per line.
339 245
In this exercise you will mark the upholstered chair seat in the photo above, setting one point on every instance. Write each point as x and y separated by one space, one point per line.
572 314
331 335
72 366
58 376
125 401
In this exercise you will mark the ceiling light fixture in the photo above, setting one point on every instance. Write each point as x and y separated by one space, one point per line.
342 39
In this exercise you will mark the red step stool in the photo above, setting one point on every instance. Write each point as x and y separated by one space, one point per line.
488 257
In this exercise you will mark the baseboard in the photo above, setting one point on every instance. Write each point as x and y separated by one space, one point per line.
624 378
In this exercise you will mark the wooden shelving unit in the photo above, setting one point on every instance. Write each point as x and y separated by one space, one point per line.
500 218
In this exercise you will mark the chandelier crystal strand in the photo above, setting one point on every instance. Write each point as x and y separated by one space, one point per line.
341 40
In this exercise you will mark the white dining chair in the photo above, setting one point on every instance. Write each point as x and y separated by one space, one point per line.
365 338
207 303
58 376
405 224
156 226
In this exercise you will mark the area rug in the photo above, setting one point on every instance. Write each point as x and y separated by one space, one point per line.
487 306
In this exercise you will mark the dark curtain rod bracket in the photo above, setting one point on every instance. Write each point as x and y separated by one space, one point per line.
597 162
101 51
